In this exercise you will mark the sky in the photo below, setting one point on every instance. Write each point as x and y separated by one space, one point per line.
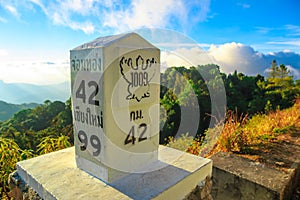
244 35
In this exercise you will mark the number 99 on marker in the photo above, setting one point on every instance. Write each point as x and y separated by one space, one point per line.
87 141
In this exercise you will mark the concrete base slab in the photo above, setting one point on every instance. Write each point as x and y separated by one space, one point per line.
173 176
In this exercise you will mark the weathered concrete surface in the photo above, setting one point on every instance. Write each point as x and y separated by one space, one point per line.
235 177
55 176
202 191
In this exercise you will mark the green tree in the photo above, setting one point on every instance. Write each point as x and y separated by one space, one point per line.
273 71
170 117
281 90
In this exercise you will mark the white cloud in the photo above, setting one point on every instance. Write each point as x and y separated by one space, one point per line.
86 27
294 30
63 19
3 53
157 14
12 10
185 57
169 59
233 56
117 15
243 58
295 72
292 42
66 12
141 13
236 56
40 73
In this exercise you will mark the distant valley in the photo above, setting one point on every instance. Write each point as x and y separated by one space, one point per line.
20 93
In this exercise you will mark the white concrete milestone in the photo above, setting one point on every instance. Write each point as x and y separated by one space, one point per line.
115 101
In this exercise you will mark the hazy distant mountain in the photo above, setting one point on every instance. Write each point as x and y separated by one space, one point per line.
7 110
19 93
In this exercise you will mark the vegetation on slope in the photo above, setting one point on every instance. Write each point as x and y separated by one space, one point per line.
7 109
33 132
244 134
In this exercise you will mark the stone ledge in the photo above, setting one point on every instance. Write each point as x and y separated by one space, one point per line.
55 176
235 177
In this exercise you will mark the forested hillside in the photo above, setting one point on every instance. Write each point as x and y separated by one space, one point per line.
48 127
30 126
245 94
7 109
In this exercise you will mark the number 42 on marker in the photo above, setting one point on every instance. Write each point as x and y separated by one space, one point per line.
142 128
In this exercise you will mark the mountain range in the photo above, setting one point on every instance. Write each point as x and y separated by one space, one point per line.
7 109
20 93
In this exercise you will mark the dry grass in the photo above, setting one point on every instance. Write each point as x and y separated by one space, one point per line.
242 134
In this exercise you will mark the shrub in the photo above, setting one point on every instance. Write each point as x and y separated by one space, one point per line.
50 144
10 154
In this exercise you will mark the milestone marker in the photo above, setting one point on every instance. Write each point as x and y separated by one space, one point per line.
115 101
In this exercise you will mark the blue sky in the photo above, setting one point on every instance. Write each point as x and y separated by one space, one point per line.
36 35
